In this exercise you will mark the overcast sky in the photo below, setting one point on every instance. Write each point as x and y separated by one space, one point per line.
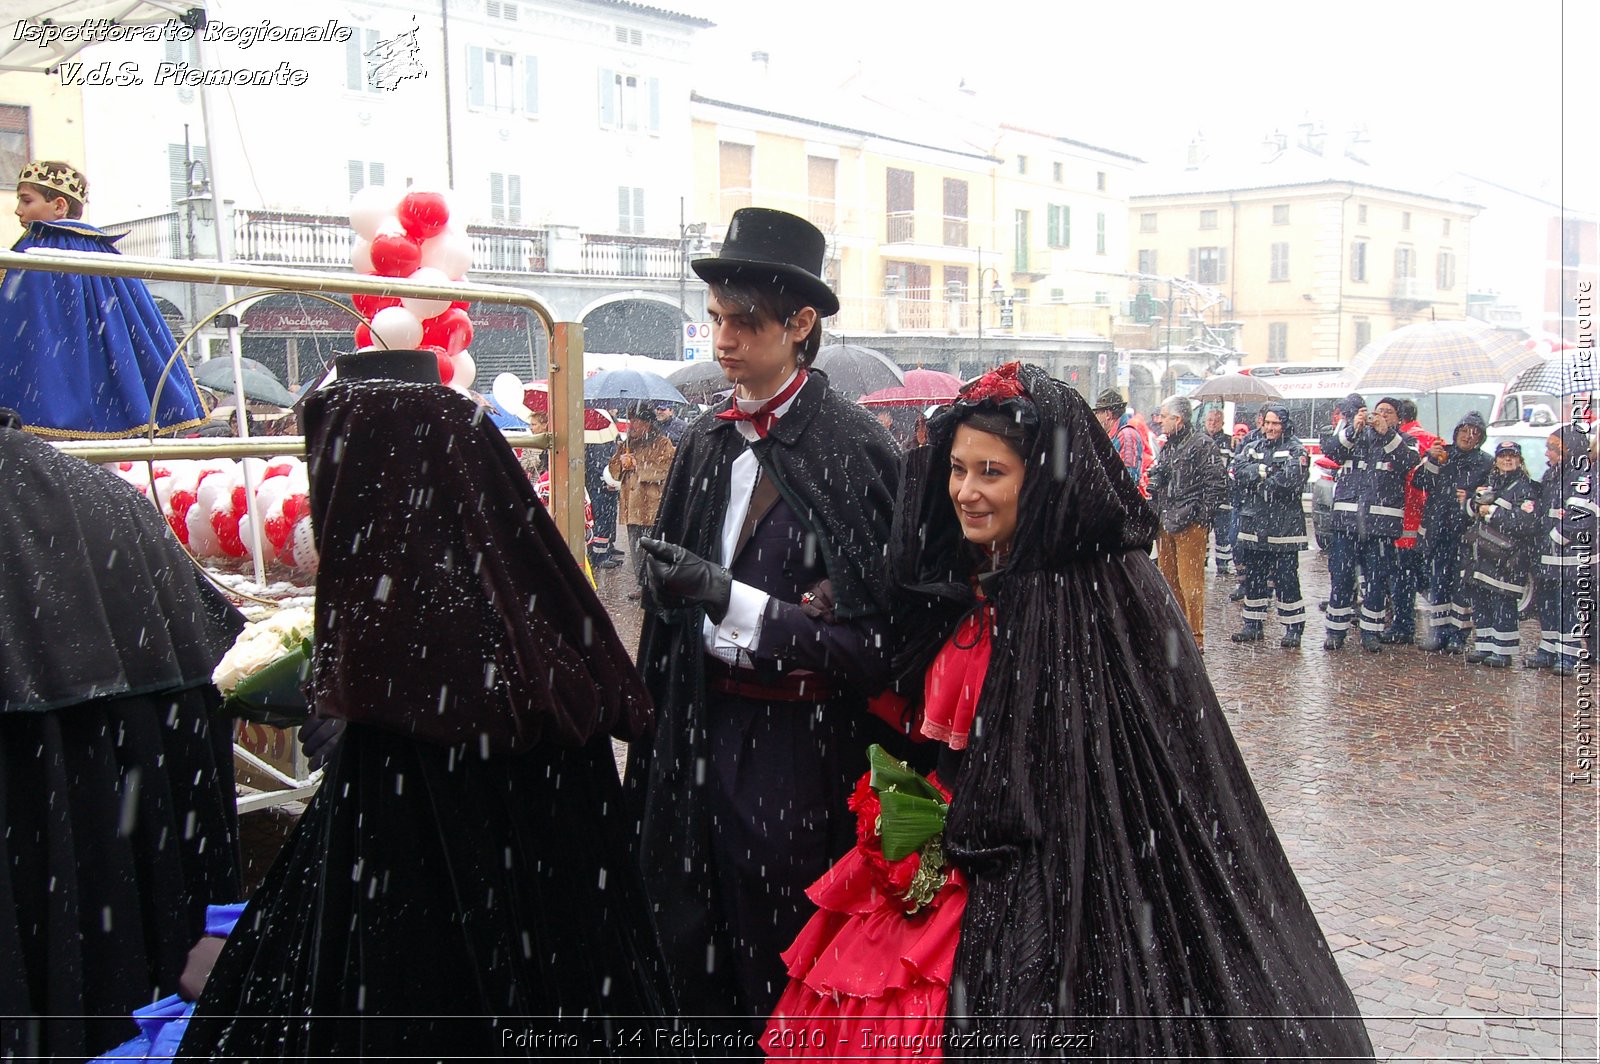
1483 86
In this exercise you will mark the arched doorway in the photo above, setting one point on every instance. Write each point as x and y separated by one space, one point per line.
634 326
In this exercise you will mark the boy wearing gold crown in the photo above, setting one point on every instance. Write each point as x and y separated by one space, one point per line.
83 354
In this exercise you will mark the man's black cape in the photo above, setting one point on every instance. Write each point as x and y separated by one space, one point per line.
1125 882
837 468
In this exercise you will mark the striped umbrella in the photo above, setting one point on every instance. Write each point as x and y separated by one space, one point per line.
1437 354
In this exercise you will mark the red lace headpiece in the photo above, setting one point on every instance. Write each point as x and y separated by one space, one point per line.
998 384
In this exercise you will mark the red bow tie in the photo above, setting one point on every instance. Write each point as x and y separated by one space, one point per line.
763 419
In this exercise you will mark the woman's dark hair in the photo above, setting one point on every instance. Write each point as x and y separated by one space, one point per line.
770 303
998 422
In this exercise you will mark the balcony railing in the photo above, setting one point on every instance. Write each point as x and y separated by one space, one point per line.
940 316
292 238
508 249
901 228
159 236
610 256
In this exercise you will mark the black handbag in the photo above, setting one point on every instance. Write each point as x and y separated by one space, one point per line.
1489 542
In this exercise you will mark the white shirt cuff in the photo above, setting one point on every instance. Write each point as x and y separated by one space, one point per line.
741 625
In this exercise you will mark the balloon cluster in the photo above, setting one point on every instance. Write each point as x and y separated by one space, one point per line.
410 236
204 504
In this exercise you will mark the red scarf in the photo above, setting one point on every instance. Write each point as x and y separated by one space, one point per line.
763 419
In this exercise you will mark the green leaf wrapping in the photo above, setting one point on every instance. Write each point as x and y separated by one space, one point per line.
274 694
911 810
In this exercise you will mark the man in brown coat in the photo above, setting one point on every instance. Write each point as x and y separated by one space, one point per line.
640 469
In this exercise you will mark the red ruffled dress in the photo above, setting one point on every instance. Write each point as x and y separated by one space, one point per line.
869 974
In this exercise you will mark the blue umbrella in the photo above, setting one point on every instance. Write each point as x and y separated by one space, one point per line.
630 386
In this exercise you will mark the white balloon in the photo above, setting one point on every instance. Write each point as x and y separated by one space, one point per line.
508 391
202 537
212 490
305 548
370 206
450 253
427 308
397 327
361 255
267 553
270 493
466 370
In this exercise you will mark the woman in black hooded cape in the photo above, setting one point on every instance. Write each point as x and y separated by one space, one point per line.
465 870
117 819
1127 892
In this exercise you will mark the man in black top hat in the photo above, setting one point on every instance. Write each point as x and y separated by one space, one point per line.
763 629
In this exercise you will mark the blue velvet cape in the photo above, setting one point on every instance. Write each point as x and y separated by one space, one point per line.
80 355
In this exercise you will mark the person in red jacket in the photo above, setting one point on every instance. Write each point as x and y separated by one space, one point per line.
1411 562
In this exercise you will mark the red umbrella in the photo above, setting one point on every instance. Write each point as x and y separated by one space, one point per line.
922 386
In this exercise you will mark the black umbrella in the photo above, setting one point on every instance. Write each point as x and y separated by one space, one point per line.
630 386
261 385
1236 388
855 371
700 381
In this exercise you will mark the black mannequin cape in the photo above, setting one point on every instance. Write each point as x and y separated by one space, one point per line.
440 890
1125 881
837 468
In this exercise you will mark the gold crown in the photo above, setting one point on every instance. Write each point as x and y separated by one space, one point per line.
57 177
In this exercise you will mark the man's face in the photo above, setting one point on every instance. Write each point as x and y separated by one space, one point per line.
664 413
1108 421
1170 422
1214 422
1384 418
1271 426
756 355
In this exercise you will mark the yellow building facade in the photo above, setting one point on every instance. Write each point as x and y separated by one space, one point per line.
1313 271
963 240
39 119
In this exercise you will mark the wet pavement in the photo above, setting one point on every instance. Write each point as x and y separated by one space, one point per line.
1428 808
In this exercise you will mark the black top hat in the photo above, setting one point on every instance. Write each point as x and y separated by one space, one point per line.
764 246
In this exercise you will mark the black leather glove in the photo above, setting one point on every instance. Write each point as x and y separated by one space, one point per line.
678 577
319 739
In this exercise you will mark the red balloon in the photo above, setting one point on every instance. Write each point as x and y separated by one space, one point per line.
369 305
461 304
447 368
276 529
226 526
423 214
363 335
395 255
451 330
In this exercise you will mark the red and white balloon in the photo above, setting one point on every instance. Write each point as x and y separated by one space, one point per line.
412 236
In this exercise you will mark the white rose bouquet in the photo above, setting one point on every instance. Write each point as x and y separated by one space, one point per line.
261 675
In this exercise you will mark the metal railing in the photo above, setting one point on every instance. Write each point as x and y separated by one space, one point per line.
566 348
158 236
942 316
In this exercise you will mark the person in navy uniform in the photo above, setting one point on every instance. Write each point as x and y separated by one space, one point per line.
1566 551
1505 519
1368 514
764 630
1449 473
1223 526
1270 472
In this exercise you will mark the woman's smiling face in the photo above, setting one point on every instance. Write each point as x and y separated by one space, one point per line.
985 483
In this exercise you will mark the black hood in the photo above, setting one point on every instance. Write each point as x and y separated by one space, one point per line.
1472 419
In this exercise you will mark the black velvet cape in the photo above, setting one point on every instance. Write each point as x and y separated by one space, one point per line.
117 820
449 880
1125 881
838 469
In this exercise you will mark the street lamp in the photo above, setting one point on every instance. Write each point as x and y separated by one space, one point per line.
691 245
996 293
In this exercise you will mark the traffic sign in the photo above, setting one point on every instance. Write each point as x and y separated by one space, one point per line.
697 340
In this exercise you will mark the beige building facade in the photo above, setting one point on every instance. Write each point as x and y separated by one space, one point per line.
1311 271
